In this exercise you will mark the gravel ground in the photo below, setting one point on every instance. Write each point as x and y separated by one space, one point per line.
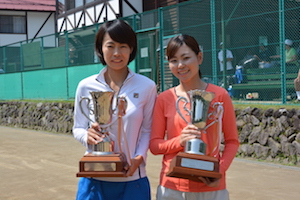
43 166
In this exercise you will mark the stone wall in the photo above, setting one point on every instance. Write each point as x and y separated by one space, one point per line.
270 134
52 117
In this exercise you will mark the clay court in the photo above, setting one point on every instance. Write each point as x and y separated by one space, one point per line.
43 166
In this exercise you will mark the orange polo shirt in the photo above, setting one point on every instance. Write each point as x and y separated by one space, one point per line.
165 137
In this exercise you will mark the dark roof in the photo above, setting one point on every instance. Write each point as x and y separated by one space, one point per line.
28 5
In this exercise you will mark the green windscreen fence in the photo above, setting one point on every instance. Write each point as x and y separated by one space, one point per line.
254 31
45 84
32 54
11 86
55 83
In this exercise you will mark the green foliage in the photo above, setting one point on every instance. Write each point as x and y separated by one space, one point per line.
263 106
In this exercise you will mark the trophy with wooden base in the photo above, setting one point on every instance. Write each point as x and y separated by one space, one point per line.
193 162
103 161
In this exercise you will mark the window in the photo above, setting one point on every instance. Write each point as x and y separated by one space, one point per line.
70 4
65 5
78 3
88 1
12 24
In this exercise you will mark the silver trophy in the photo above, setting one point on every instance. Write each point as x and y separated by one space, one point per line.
102 111
193 162
103 161
197 115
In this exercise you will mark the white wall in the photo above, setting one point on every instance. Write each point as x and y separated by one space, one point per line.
6 39
127 11
34 21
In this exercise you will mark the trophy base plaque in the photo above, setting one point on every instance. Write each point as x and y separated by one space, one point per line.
110 165
192 166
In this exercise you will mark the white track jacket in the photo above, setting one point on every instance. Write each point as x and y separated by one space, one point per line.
140 93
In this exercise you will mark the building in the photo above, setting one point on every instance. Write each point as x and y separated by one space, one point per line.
26 20
73 14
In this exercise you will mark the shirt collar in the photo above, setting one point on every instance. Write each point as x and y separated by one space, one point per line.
100 78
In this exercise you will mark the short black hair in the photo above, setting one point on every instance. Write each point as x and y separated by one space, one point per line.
120 31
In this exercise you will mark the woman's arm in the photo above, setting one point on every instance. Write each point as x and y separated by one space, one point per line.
145 129
230 134
81 123
158 143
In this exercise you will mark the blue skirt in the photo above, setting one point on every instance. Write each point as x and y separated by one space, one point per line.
91 189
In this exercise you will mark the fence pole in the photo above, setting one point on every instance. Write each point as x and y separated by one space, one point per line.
282 50
224 45
161 51
213 41
21 57
42 53
134 27
67 48
4 59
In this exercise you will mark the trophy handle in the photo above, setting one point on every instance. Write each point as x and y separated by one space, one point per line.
184 107
80 105
122 106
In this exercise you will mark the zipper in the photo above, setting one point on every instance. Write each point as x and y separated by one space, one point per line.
115 99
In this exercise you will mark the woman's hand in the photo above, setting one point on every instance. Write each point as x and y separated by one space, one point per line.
94 135
212 182
189 132
135 163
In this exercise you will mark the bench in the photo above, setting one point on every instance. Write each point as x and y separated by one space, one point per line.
265 82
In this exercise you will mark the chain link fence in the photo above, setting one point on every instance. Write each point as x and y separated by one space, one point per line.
252 33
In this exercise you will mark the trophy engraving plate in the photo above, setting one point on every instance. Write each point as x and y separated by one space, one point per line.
99 167
102 166
197 164
179 171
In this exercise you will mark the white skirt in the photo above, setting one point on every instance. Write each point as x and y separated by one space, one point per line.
164 193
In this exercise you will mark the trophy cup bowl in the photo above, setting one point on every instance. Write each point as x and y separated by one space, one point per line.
193 162
102 161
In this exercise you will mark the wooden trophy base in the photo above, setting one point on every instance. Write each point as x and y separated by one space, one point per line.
192 166
110 165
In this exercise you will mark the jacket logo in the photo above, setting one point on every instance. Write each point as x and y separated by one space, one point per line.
136 95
